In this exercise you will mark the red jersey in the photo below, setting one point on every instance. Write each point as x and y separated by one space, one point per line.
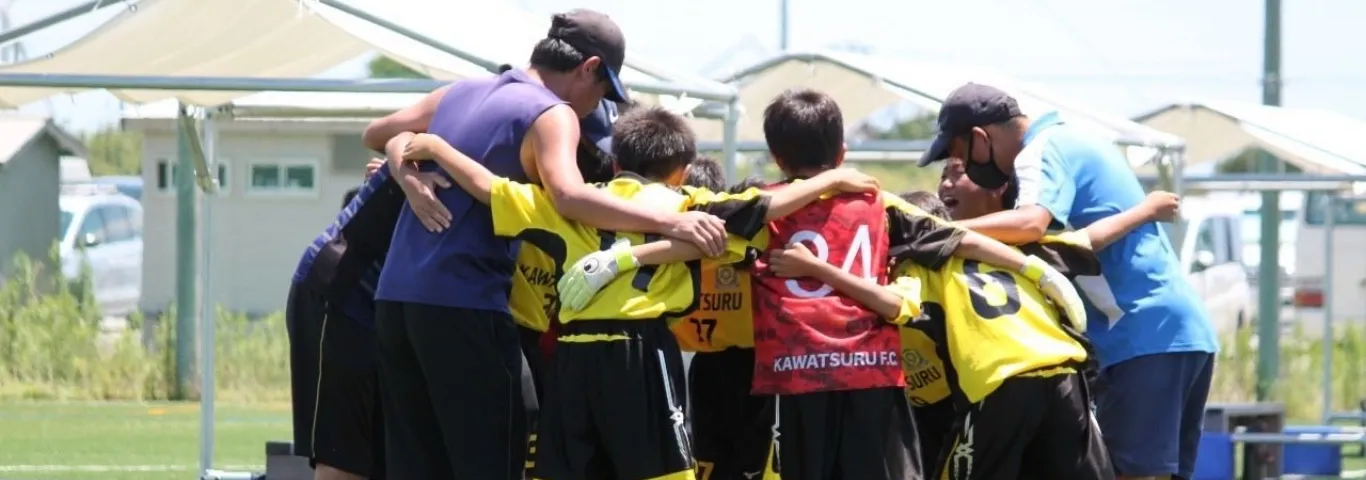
809 338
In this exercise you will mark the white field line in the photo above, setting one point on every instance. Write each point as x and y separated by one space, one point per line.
118 468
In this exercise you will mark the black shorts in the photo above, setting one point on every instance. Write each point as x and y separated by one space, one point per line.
847 435
614 407
732 430
333 368
456 392
1030 427
934 429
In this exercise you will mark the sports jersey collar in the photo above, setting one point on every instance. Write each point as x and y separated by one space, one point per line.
1049 119
632 176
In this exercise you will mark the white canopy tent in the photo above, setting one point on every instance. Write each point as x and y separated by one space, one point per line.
863 84
304 38
209 52
1317 141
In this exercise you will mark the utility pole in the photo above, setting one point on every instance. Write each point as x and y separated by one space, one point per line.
782 25
1269 276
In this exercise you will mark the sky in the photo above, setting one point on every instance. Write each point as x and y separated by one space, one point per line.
1124 56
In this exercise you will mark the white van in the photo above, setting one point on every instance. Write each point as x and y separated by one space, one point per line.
1210 248
1349 265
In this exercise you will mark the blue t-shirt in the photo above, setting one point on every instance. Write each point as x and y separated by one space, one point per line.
1143 304
466 266
359 305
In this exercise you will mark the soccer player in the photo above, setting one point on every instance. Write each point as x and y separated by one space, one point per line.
1152 334
1013 365
833 364
450 353
330 318
613 407
732 430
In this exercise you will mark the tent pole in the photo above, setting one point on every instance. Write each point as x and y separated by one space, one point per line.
729 138
186 278
1329 218
56 18
207 371
229 84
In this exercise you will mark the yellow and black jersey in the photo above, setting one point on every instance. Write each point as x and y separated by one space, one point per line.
526 212
991 324
724 317
533 300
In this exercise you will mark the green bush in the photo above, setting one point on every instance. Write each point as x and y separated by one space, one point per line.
52 347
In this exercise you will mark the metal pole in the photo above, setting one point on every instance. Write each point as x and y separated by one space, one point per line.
56 18
729 136
185 262
230 84
208 374
782 25
1329 219
1268 292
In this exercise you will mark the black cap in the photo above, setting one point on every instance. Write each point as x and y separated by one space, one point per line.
596 35
968 106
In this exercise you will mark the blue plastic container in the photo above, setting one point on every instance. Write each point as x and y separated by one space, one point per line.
1312 459
1215 458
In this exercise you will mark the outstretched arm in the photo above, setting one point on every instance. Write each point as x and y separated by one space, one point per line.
472 176
897 305
1158 206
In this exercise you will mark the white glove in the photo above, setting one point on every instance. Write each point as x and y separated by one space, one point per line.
1057 288
592 272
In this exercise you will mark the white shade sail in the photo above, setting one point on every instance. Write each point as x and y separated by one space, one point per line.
1317 141
301 39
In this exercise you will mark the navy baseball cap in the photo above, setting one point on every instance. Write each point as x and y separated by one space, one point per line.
594 34
597 126
968 106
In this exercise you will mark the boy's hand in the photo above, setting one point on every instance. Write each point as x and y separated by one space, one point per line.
701 229
419 188
1057 288
423 146
793 261
1162 206
374 166
592 272
848 180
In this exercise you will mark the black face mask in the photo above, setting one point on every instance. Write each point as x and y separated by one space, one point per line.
986 175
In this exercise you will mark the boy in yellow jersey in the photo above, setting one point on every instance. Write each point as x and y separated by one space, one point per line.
732 430
613 406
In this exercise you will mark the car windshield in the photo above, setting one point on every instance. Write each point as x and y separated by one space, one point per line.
66 222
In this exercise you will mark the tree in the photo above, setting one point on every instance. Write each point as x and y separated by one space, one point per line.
922 127
385 67
1248 161
114 152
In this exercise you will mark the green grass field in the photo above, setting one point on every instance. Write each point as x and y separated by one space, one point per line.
107 440
153 441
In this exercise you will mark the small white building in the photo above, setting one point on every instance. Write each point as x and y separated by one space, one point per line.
282 182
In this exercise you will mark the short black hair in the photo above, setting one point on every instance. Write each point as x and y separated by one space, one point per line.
752 181
928 202
705 172
504 68
595 165
804 129
350 194
556 55
653 143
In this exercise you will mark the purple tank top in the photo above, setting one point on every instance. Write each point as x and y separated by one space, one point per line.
466 266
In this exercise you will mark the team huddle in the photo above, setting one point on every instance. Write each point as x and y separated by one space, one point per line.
521 275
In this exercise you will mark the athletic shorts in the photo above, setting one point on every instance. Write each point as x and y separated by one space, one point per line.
1030 427
1152 409
732 430
334 379
847 435
614 404
933 427
456 392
